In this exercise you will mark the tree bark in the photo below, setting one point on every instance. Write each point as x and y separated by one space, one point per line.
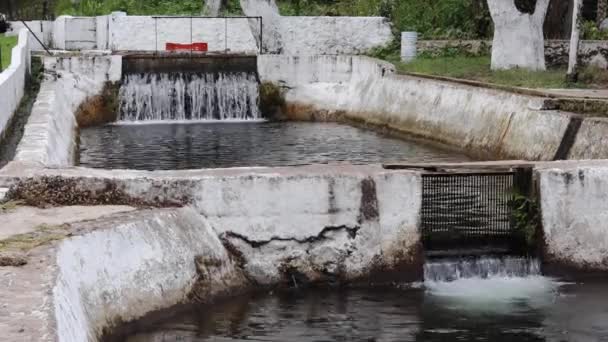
574 40
602 11
518 37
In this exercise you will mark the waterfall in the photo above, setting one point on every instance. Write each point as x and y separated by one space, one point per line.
189 96
480 267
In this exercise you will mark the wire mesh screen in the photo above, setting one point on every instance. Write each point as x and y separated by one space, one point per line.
467 210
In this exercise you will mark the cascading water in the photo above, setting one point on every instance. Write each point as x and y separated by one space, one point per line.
189 96
488 284
482 267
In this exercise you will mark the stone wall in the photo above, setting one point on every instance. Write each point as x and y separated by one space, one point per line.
50 135
12 80
556 51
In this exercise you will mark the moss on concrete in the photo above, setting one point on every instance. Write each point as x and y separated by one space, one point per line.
272 101
99 109
61 191
43 235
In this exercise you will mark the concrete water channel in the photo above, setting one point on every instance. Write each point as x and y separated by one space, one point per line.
148 229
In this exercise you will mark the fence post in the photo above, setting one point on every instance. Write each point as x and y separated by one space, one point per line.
226 35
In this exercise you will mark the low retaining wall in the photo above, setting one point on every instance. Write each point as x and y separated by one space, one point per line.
12 80
133 264
575 214
484 122
556 51
244 228
49 137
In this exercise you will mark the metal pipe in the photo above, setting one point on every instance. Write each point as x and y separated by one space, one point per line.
35 36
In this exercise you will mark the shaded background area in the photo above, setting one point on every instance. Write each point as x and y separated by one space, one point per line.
438 19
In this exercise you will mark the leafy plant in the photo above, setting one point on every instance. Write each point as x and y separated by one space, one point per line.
590 31
526 218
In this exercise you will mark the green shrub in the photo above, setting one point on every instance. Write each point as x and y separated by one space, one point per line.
133 7
592 32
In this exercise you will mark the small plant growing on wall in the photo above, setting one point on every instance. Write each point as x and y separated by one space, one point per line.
525 218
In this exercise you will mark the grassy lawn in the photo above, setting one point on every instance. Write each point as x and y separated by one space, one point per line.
478 69
6 48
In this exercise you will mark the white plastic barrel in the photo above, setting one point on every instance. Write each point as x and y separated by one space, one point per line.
408 46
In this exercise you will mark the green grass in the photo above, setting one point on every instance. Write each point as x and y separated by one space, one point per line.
478 69
6 49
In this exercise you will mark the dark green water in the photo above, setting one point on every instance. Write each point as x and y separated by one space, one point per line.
195 145
533 308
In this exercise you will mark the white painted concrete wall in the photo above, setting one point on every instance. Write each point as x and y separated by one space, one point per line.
333 35
138 33
127 267
12 80
317 35
50 134
480 120
293 71
575 214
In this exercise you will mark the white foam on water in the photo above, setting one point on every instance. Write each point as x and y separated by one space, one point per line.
497 285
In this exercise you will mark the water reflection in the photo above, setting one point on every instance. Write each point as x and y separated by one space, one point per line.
518 309
214 145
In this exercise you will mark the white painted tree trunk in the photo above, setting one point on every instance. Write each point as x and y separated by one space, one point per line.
212 7
518 37
574 39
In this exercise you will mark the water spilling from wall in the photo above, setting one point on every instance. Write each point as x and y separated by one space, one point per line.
480 267
189 96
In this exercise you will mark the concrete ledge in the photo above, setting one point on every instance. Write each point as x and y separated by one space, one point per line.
243 228
575 214
50 135
483 122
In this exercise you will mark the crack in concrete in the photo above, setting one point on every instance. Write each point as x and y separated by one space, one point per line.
352 233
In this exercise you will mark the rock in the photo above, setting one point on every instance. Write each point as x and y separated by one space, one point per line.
599 61
604 25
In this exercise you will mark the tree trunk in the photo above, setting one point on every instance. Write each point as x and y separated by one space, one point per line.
518 37
574 40
602 11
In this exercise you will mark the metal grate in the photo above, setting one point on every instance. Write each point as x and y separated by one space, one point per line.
467 210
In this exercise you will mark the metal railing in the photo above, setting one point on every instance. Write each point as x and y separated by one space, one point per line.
226 21
467 210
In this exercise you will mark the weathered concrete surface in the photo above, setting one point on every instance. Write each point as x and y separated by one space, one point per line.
484 122
368 214
113 269
591 141
575 214
49 138
242 227
126 268
22 219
